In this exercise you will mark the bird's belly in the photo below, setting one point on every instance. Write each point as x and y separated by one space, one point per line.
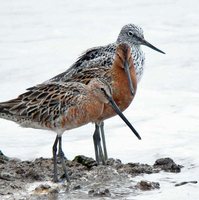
77 117
121 92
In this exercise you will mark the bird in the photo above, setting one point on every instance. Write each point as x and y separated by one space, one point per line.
94 61
59 107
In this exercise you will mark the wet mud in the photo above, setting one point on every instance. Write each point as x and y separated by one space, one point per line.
115 180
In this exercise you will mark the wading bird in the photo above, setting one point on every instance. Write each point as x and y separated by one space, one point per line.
59 107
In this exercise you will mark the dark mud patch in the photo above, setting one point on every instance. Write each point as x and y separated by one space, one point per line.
168 165
147 185
33 179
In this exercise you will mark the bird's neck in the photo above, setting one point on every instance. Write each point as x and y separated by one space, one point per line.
137 52
135 49
138 60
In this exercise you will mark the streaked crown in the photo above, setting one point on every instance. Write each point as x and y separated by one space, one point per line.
130 34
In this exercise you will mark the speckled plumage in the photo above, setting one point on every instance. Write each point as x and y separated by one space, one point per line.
103 56
113 72
57 106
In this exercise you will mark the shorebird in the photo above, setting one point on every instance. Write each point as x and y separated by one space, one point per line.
59 107
96 60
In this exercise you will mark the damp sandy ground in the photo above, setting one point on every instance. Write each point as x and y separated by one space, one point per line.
39 39
115 180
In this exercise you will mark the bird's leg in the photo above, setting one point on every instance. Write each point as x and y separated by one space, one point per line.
97 145
103 140
55 177
60 149
62 158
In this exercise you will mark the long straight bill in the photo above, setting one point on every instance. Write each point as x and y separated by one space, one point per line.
126 68
117 110
144 42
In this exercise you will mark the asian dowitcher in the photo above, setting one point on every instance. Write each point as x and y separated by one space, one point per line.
96 60
59 107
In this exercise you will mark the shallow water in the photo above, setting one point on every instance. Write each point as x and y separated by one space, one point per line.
39 39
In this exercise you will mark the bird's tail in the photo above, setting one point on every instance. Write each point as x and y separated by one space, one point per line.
6 111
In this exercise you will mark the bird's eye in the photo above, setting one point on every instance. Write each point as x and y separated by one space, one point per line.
130 33
103 90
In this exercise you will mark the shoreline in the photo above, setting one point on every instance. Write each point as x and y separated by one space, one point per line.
33 179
